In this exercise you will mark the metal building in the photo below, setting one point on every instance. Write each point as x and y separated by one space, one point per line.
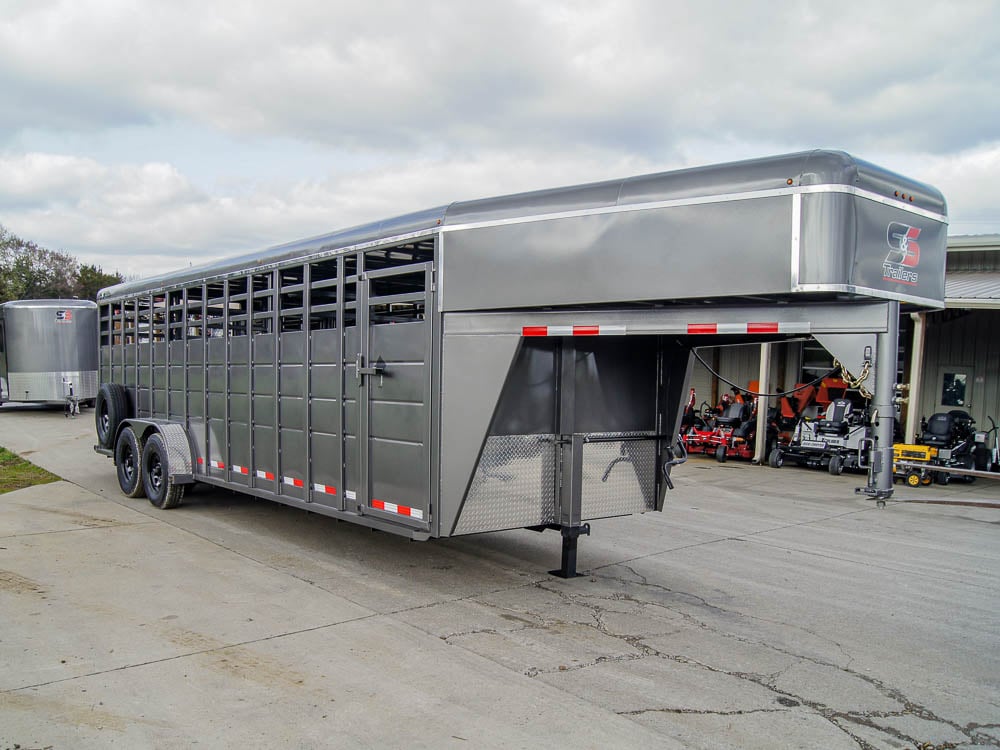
512 362
48 350
954 354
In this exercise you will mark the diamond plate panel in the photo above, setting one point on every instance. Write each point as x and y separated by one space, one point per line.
618 476
178 448
514 485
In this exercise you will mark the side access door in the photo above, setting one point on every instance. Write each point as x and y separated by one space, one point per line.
392 372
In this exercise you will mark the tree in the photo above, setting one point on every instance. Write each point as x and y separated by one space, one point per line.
29 271
91 279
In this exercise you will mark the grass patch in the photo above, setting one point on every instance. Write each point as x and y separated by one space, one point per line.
16 473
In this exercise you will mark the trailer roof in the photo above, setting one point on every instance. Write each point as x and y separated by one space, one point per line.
819 167
46 303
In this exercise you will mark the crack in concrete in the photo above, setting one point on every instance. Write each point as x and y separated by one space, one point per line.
836 718
702 712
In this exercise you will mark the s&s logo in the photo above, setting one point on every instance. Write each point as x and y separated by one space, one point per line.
64 316
904 254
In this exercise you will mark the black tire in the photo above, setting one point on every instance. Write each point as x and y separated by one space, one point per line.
110 408
128 462
967 462
160 490
836 465
776 459
942 477
720 454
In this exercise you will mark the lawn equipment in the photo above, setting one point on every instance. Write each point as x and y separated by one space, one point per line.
947 440
949 450
835 441
805 401
699 429
736 435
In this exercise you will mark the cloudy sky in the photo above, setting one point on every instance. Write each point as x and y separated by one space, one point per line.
143 135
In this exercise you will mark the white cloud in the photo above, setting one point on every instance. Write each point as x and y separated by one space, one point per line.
143 135
970 181
400 76
144 219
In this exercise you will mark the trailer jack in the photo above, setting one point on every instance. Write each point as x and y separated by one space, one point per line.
570 535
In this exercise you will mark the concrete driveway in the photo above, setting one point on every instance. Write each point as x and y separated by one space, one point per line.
764 608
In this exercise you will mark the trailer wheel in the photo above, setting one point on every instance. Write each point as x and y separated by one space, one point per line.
776 459
912 479
128 462
110 408
942 477
720 454
160 490
836 465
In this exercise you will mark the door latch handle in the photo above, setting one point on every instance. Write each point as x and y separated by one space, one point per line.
359 369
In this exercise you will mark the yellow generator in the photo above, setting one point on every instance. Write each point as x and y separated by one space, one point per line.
909 454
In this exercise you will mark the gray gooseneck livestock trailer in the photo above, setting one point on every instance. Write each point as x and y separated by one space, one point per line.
48 350
511 362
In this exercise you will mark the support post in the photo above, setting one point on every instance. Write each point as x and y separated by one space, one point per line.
569 492
764 386
886 350
916 375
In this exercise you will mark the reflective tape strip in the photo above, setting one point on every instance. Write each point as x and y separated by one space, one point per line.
573 330
794 327
265 475
759 327
241 469
325 488
293 482
217 464
201 461
402 510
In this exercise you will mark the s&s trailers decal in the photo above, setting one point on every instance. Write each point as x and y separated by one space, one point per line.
904 254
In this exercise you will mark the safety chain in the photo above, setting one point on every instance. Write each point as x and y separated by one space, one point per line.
856 383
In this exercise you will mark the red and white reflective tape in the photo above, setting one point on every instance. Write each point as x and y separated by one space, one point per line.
402 510
325 488
573 330
293 482
759 327
213 464
265 475
240 469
